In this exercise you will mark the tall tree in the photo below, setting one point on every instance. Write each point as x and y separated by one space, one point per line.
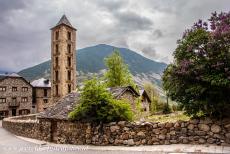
199 78
117 71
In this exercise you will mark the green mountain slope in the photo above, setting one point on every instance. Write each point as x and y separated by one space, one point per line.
91 60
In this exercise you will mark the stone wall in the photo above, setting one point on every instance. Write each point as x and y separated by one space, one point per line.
123 133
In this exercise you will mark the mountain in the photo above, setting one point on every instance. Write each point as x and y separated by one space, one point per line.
90 60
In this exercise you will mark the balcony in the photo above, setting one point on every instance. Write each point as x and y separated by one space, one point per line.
14 104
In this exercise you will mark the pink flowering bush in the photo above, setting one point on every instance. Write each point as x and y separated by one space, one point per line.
199 77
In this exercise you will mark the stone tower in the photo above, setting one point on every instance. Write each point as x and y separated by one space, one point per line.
63 59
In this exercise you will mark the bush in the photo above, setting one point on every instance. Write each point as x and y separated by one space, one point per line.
98 105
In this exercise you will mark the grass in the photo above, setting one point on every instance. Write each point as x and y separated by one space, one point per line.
172 117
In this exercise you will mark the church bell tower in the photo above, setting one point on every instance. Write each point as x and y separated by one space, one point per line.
63 59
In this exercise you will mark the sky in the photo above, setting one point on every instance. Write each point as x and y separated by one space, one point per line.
149 27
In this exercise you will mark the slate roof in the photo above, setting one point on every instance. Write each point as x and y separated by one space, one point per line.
118 91
144 93
41 83
61 109
64 21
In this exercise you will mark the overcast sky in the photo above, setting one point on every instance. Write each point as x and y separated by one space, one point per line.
150 27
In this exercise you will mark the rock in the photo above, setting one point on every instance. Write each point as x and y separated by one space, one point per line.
121 123
112 123
182 124
156 131
161 136
185 141
143 141
184 130
173 141
142 134
126 129
128 142
114 128
206 121
177 124
227 135
163 131
194 121
173 132
201 141
211 140
155 125
190 126
204 127
215 128
200 133
161 125
227 126
168 125
111 140
125 136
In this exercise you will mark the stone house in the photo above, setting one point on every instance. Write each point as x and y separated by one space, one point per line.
41 94
15 95
145 100
128 93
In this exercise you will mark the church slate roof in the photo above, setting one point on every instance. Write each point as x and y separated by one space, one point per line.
64 21
62 108
118 91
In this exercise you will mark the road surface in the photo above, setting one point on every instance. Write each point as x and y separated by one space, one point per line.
11 144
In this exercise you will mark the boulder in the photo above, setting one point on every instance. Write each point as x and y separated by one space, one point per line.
201 141
161 136
215 128
190 126
114 128
128 142
204 127
141 134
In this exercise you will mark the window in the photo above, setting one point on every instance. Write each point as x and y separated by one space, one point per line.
24 89
2 100
45 93
57 35
57 48
56 75
56 89
14 100
69 48
14 89
24 99
69 75
69 88
45 101
2 88
69 35
24 112
69 61
56 61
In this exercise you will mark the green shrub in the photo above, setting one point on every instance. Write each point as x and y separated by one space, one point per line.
98 105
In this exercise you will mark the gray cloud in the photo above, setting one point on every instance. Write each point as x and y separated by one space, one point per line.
149 26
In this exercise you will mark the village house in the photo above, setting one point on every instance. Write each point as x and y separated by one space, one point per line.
15 95
41 94
145 100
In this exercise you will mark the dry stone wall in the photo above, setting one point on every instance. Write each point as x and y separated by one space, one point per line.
123 133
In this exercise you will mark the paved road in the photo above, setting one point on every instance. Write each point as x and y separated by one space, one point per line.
11 144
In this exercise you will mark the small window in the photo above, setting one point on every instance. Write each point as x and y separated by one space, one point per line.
14 89
69 75
24 89
56 89
57 35
69 88
14 99
24 112
69 61
56 62
2 89
69 48
56 75
45 93
57 48
44 108
69 35
24 99
2 100
45 101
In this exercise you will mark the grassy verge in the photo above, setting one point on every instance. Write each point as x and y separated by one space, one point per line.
172 117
